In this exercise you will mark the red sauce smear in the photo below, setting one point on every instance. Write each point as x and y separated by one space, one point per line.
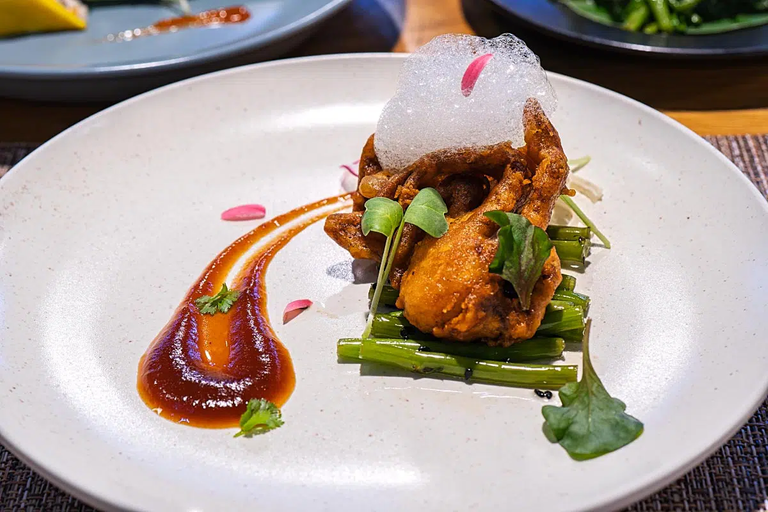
203 369
212 18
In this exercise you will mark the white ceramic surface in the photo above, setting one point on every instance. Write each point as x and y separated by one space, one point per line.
104 228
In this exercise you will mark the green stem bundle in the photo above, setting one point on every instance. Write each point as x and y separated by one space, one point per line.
572 298
529 350
568 284
562 321
572 252
569 233
483 371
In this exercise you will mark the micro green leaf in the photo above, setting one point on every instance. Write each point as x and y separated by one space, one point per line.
523 249
382 215
590 423
427 211
260 416
221 302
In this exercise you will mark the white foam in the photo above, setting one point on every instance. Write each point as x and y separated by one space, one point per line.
429 111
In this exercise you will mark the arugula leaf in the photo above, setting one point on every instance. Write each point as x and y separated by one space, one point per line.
260 416
590 422
221 302
427 211
381 215
523 249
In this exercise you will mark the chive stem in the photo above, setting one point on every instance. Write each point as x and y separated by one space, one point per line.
581 215
377 293
388 295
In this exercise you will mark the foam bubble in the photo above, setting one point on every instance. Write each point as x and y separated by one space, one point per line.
429 111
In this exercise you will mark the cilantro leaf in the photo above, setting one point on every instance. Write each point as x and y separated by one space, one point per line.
382 215
427 211
221 302
590 422
260 416
523 249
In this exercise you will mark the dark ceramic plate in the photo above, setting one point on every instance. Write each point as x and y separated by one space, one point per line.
559 21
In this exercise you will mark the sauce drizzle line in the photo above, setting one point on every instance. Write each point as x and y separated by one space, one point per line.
211 18
203 369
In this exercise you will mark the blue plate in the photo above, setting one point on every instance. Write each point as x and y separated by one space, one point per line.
82 66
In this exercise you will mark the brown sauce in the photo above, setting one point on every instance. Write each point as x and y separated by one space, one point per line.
203 369
212 18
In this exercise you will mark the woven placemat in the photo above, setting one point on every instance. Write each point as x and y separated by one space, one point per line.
733 479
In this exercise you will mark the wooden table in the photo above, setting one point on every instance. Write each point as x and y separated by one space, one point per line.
723 97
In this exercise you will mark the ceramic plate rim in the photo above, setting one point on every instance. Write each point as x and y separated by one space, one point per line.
227 50
653 480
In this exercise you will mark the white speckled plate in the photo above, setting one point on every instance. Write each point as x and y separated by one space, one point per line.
103 229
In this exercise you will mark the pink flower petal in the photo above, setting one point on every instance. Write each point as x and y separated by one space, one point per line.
472 73
245 212
349 178
349 169
348 182
295 308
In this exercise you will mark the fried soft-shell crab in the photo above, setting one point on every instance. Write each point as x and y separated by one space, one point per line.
445 286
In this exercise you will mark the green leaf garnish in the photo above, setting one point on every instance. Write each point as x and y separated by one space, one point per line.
523 249
427 211
590 422
381 215
260 416
384 216
221 302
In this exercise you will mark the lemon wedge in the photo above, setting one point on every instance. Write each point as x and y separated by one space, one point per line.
24 16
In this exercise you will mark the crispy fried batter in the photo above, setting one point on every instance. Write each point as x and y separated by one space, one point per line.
445 286
462 177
